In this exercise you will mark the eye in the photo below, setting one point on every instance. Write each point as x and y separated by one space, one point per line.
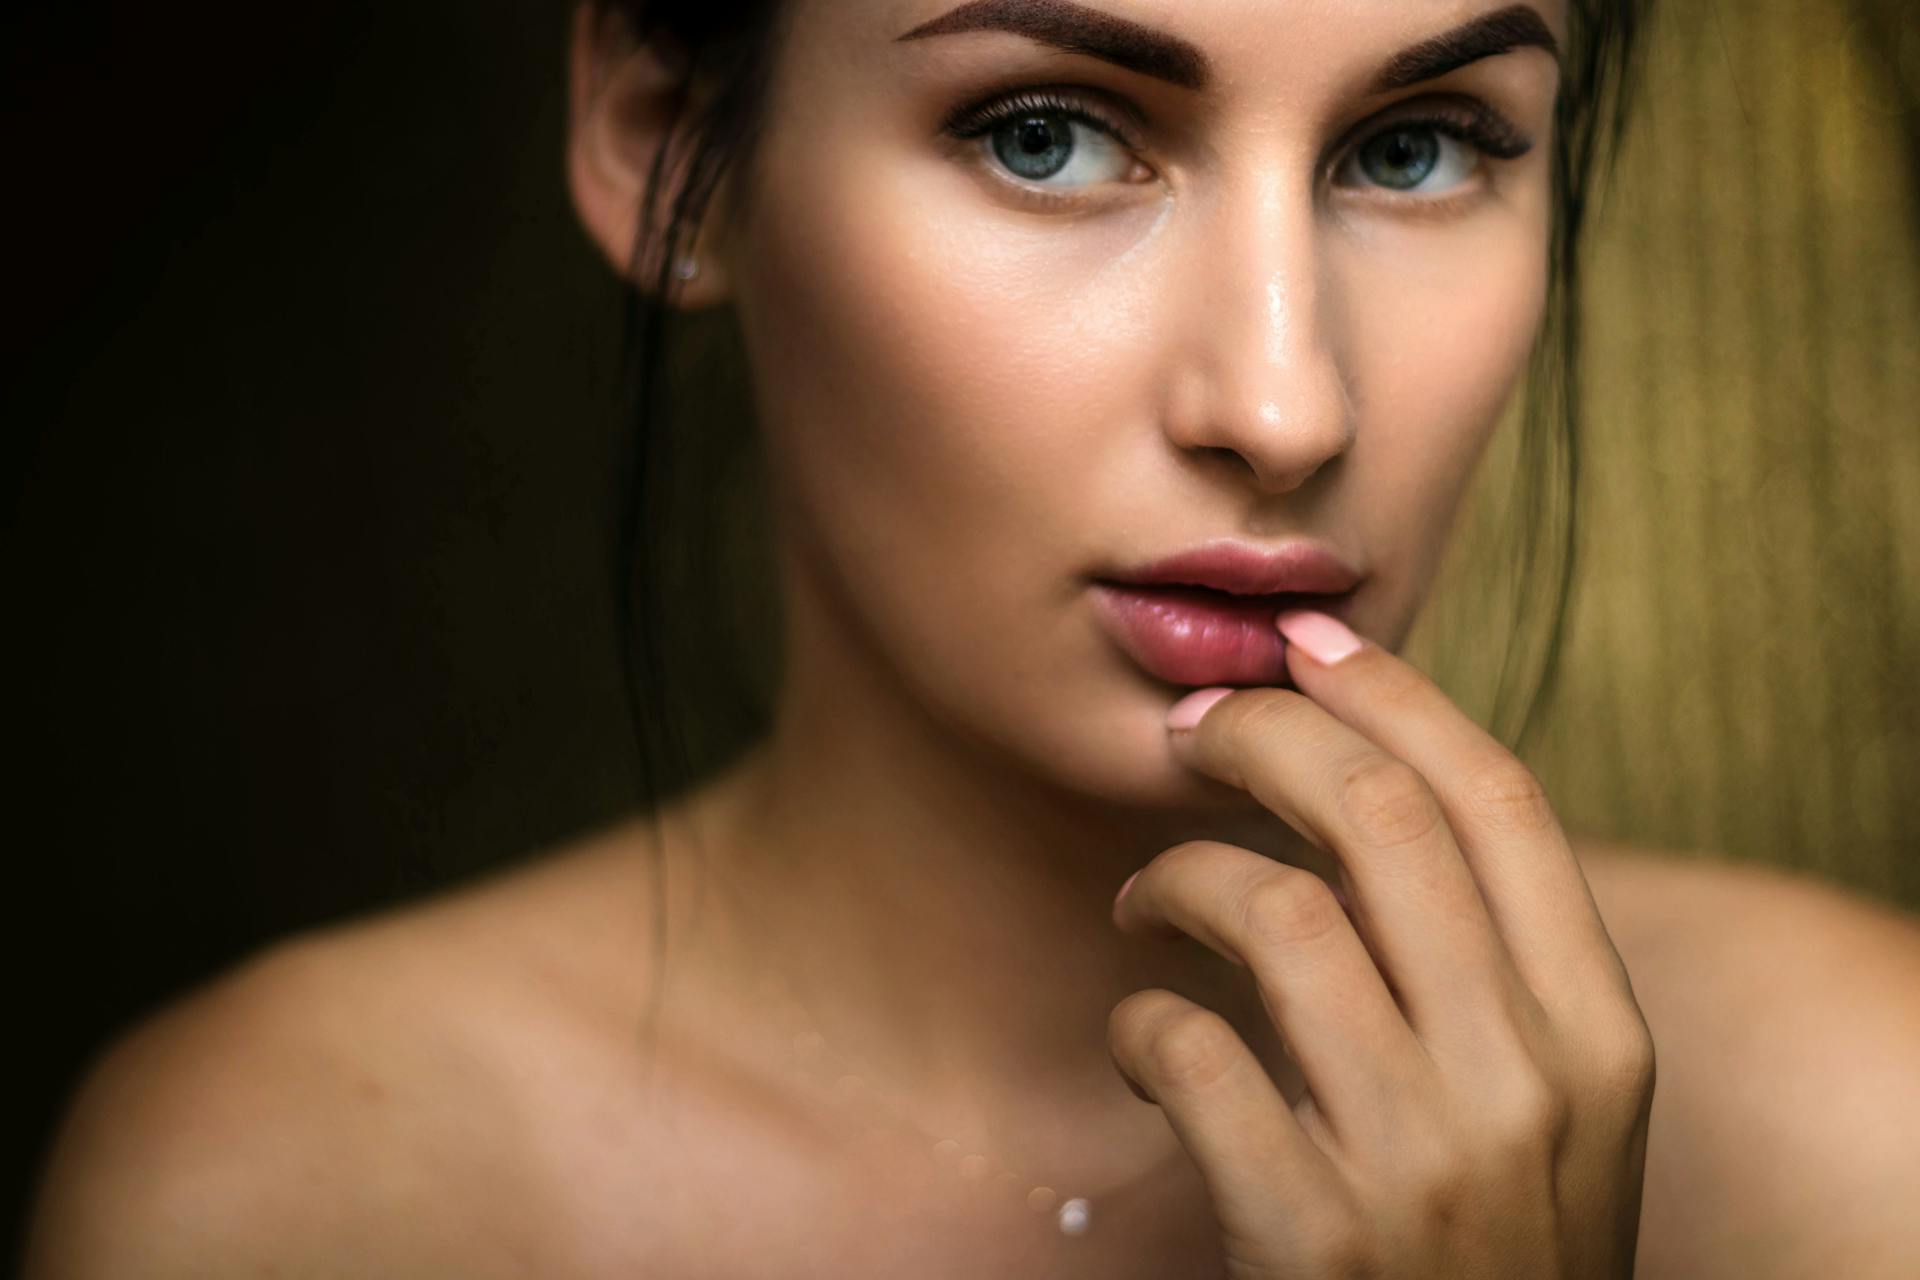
1407 155
1431 155
1049 140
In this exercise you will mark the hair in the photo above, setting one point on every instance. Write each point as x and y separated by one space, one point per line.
729 47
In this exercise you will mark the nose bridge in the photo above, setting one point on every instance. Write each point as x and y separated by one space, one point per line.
1277 235
1273 388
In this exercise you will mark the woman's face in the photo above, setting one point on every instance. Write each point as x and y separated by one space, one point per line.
1239 288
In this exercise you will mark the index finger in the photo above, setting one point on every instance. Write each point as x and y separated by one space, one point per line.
1502 819
1414 901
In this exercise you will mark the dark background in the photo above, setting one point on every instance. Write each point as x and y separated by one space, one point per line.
312 440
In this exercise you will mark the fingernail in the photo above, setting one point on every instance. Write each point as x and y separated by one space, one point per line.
1186 713
1325 639
1123 888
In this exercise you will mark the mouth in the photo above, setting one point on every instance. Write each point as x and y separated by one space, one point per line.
1194 635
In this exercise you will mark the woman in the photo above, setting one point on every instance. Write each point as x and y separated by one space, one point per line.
1120 368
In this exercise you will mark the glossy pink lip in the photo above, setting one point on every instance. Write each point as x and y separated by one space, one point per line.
1206 617
1246 570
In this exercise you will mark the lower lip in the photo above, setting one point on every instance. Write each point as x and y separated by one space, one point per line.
1191 636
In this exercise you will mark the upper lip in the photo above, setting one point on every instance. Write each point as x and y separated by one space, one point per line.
1243 569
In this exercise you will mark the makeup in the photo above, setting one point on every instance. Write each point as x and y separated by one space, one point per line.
1199 636
1206 615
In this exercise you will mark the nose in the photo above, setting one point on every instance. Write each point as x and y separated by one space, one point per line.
1261 382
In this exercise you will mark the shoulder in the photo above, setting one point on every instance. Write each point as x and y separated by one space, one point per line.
1663 903
345 1098
1772 932
217 1127
1785 1010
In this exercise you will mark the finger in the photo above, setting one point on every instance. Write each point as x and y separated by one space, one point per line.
1413 901
1502 821
1262 1169
1320 986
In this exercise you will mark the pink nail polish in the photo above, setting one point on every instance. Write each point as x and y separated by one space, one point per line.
1325 639
1186 713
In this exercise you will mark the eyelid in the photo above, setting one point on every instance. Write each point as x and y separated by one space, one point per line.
1465 118
1104 111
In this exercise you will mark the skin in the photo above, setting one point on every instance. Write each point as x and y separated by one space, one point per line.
1213 339
1444 1068
1023 395
1498 1125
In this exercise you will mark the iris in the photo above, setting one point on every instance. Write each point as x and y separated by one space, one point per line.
1401 158
1035 146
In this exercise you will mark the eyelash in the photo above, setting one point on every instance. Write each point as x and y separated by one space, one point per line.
982 118
1467 120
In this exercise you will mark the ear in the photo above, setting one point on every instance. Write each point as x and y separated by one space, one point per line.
620 97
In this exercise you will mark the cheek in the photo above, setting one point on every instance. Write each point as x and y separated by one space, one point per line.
943 390
922 339
925 371
1440 334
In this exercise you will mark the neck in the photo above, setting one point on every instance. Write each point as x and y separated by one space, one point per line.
944 912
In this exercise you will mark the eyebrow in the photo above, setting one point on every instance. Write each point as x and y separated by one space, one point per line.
1518 26
1076 28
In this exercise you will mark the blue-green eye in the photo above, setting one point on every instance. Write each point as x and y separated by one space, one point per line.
1036 146
1431 154
1405 156
1048 140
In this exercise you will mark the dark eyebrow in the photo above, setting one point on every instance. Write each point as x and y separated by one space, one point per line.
1079 29
1517 26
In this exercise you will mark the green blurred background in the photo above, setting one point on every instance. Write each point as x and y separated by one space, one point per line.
314 469
1742 673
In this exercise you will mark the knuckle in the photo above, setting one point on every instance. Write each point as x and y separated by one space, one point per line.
1290 907
1193 1048
1386 802
1529 1117
1437 1177
1624 1060
1190 854
1509 796
1132 1022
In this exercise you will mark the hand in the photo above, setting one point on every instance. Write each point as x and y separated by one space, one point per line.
1478 1073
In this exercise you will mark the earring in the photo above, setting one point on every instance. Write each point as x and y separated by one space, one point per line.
687 268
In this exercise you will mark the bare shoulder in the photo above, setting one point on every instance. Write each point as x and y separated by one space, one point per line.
350 1100
1786 1016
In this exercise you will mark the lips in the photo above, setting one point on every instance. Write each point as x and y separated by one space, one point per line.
1205 617
1196 636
